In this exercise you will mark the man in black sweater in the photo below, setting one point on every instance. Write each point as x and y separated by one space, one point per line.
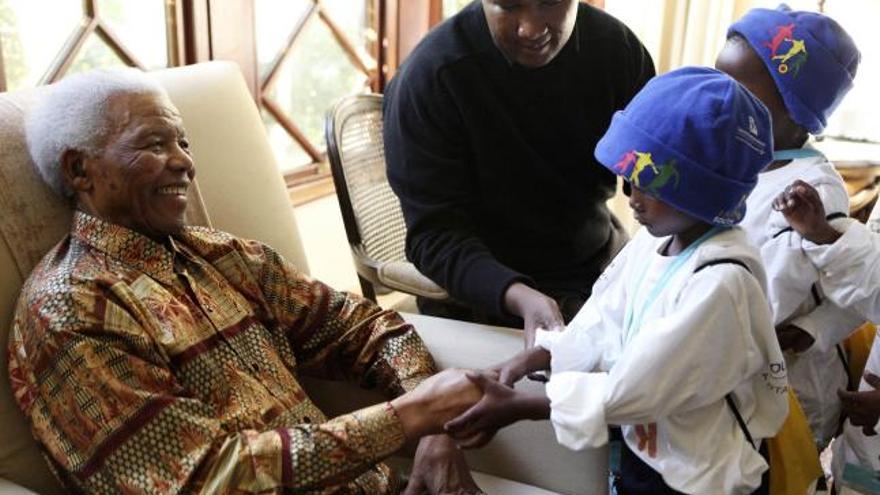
490 127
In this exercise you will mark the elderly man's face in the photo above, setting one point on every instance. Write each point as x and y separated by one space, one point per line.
141 176
530 33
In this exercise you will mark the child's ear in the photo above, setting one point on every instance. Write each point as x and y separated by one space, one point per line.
74 171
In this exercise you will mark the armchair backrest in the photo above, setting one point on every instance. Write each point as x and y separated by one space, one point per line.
239 190
371 210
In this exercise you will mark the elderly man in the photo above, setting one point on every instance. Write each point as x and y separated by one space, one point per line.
490 127
152 357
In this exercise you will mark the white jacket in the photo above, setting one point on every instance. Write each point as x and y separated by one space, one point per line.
850 276
818 373
707 334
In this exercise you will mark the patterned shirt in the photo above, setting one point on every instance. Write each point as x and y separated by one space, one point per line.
160 368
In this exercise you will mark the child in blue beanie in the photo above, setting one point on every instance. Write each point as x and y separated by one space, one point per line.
800 64
847 256
676 346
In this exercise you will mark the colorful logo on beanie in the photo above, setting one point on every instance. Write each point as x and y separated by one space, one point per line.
787 52
639 168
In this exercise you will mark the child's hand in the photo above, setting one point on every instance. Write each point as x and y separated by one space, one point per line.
803 209
500 406
794 339
863 407
527 361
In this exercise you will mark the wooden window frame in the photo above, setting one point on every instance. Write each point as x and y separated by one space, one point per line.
91 23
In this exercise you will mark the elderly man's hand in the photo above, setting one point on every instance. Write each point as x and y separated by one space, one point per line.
500 406
440 469
424 410
536 309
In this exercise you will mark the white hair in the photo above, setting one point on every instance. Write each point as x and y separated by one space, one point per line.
73 116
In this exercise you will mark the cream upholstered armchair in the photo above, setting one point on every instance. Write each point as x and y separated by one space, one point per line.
238 189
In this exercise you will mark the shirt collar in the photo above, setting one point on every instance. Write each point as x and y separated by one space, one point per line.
126 246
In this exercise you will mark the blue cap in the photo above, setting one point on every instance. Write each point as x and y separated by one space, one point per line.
694 138
809 55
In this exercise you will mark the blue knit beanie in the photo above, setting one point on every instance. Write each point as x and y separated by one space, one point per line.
809 55
694 138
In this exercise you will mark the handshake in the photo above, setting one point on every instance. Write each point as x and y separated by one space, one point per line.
471 405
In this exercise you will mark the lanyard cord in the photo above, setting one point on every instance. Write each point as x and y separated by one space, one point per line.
633 322
794 154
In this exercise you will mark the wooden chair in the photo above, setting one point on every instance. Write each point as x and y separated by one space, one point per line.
370 210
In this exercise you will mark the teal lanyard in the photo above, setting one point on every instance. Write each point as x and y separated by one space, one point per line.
633 322
794 154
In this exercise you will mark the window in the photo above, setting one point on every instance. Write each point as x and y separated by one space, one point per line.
450 7
42 41
856 116
310 54
691 32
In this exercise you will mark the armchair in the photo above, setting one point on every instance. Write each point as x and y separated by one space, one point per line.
239 189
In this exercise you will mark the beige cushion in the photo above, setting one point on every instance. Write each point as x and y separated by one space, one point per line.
405 277
237 182
492 485
9 488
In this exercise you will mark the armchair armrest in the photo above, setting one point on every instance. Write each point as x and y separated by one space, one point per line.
396 275
405 277
9 488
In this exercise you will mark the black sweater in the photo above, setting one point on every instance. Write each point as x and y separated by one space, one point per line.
493 163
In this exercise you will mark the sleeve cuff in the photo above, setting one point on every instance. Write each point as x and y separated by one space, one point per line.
823 256
547 339
381 429
828 325
577 409
506 278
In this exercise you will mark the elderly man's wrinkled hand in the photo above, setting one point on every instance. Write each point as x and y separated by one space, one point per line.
440 469
438 399
500 406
